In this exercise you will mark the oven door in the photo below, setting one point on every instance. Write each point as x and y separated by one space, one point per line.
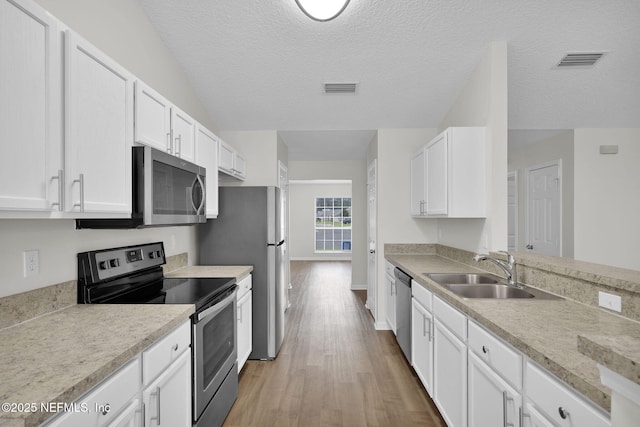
214 349
174 190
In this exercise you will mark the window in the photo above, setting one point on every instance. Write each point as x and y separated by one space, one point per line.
333 224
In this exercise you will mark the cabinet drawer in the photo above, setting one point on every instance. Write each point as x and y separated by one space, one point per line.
451 318
556 399
160 355
388 268
244 286
422 295
105 401
497 354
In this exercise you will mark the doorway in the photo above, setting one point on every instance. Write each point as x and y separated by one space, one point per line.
371 236
544 209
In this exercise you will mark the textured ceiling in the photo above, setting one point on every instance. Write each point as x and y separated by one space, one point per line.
260 64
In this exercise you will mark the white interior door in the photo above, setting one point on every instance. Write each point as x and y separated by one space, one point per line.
544 209
512 211
283 182
371 226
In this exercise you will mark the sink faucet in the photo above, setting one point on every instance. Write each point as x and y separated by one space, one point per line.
509 267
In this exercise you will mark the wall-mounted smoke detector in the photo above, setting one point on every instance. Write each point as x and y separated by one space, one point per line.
580 59
331 88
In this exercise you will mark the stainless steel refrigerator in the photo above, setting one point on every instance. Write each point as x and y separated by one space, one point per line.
249 231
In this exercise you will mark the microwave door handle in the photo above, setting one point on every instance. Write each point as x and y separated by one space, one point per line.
198 209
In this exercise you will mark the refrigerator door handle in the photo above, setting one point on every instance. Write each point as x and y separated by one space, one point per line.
280 243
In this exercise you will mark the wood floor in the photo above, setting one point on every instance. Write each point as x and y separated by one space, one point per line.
334 368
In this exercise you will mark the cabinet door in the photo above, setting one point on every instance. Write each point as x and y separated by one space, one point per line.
417 184
226 155
130 417
422 344
183 127
492 402
437 184
152 119
240 167
391 302
207 157
450 376
532 418
30 109
245 319
99 131
167 400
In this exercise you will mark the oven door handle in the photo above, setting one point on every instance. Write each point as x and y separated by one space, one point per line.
217 307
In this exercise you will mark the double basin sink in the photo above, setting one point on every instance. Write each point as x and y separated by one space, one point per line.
487 286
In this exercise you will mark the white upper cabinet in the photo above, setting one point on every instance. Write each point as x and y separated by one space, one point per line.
30 109
448 176
152 118
207 157
162 125
184 134
98 130
417 184
231 162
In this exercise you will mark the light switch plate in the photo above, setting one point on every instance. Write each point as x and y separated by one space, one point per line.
612 302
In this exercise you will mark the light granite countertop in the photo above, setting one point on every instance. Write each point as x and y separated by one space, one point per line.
619 353
546 331
237 271
59 356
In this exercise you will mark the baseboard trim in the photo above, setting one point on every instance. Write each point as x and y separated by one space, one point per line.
382 326
319 258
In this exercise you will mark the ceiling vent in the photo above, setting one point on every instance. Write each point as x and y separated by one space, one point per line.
583 59
340 88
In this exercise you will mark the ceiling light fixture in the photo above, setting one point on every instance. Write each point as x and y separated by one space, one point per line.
322 10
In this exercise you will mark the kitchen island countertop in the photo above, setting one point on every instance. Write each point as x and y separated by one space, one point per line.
546 331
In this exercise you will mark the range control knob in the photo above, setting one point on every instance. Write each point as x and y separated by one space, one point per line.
115 262
152 254
103 265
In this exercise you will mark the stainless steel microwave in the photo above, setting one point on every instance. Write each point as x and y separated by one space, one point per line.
166 191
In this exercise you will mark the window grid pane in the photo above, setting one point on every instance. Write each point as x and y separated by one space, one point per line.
333 224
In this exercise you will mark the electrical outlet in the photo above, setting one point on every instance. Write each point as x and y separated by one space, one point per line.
31 263
612 302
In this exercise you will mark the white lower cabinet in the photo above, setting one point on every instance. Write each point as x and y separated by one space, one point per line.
422 343
167 400
492 402
477 379
245 320
560 405
390 287
101 405
450 376
154 389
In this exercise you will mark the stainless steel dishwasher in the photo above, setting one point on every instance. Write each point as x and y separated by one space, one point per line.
403 312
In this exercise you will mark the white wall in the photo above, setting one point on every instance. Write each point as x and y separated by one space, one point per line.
356 172
302 196
607 197
483 102
119 28
559 147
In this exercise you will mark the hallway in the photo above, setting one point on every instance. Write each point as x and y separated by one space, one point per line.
334 367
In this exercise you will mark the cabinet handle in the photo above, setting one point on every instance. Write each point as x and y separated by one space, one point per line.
564 414
81 182
105 409
421 207
485 350
60 202
142 414
505 411
157 417
169 142
175 347
426 328
178 150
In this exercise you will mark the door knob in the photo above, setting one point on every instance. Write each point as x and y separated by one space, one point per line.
530 247
372 251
